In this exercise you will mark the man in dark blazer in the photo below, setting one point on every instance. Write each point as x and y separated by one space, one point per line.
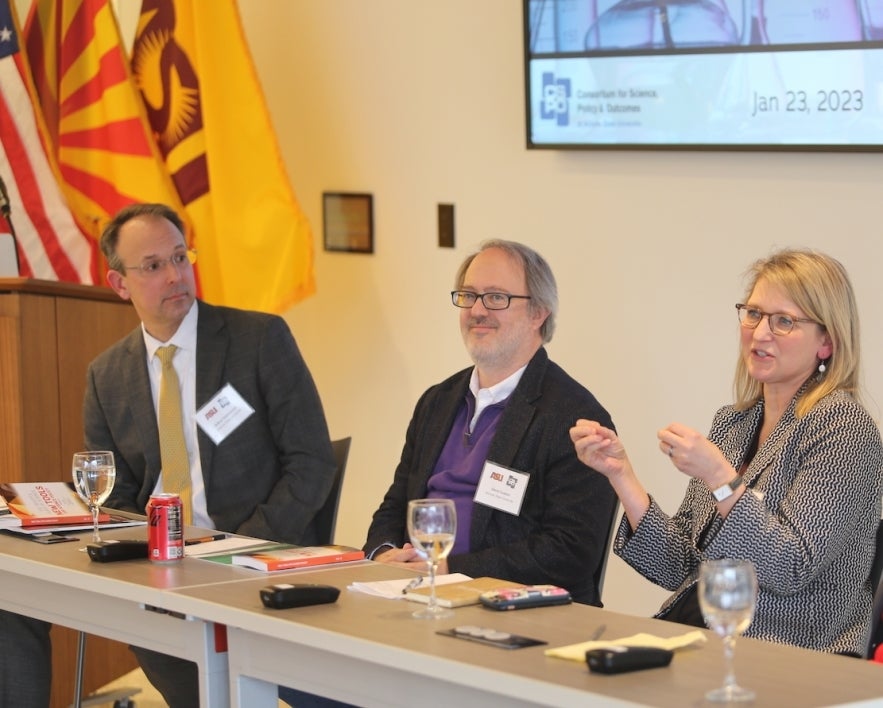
510 414
265 477
271 474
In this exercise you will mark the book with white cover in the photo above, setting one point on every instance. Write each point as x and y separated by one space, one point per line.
43 504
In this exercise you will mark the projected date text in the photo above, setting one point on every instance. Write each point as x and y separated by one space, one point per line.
820 101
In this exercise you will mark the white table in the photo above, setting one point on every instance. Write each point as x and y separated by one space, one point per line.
371 652
123 601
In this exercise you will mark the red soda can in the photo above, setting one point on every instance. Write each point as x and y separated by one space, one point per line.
165 537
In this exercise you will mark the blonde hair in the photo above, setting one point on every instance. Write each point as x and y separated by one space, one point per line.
820 287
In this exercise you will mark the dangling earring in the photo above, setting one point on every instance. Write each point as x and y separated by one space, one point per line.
822 367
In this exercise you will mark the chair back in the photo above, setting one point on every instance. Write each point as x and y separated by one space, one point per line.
326 518
877 565
876 639
608 545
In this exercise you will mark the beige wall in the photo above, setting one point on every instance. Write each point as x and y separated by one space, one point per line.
420 102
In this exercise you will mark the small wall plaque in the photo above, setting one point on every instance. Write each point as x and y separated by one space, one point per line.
348 221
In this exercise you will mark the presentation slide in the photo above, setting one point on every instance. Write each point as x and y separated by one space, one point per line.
786 73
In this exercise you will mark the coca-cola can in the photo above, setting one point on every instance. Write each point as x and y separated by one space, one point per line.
165 537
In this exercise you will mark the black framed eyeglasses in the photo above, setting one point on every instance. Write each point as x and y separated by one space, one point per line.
780 323
491 301
155 266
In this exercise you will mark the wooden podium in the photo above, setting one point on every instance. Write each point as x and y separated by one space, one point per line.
49 332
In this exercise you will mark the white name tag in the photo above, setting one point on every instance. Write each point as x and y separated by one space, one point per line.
501 488
223 414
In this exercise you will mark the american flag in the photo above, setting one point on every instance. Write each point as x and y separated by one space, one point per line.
50 244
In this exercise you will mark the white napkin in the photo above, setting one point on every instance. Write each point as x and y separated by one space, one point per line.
577 652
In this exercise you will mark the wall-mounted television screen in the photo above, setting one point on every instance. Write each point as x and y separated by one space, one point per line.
692 74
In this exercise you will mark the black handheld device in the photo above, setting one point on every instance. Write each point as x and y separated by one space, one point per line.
617 660
109 551
285 595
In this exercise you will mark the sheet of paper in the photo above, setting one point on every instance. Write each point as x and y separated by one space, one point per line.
226 545
577 652
394 589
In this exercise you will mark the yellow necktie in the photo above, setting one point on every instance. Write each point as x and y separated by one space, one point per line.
173 449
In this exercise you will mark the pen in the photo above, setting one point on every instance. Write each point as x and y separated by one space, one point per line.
598 632
413 584
205 539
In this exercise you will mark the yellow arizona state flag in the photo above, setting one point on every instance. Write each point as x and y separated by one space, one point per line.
94 115
207 111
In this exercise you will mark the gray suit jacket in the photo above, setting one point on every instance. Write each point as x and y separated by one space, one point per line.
807 522
270 475
559 536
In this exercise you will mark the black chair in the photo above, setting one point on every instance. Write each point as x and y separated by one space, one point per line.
608 545
326 517
874 578
877 565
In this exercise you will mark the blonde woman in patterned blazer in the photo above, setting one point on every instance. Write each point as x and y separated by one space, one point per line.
790 476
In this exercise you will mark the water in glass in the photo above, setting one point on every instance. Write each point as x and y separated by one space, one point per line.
94 474
727 597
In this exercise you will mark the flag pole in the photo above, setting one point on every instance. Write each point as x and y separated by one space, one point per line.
5 210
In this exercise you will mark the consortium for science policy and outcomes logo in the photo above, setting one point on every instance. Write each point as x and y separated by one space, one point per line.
555 101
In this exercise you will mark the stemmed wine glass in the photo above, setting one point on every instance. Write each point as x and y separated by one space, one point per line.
727 596
94 474
432 526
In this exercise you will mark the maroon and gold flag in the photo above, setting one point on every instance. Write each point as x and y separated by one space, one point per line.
206 108
94 115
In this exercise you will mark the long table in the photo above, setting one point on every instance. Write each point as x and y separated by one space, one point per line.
370 652
124 601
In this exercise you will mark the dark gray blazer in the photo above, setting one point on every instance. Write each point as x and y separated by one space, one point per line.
270 475
559 536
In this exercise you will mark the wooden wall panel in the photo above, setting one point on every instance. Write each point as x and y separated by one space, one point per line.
49 332
85 329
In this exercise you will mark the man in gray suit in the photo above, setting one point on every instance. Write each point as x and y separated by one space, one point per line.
269 475
508 417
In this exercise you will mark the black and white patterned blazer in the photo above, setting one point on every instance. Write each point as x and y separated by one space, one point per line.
807 522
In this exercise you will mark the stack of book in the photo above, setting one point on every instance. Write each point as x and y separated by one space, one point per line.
288 557
35 507
270 556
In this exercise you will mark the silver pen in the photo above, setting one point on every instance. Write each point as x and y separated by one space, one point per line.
413 584
598 632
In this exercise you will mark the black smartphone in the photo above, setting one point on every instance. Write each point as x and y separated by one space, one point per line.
528 596
52 538
285 595
110 551
617 660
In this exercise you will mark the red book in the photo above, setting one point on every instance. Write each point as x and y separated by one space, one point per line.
288 557
43 504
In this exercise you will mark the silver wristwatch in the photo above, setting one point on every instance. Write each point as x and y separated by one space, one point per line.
726 491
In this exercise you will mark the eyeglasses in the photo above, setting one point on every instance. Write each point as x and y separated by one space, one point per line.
780 323
491 301
154 266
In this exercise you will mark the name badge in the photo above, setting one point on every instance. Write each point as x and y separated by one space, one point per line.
223 414
501 488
